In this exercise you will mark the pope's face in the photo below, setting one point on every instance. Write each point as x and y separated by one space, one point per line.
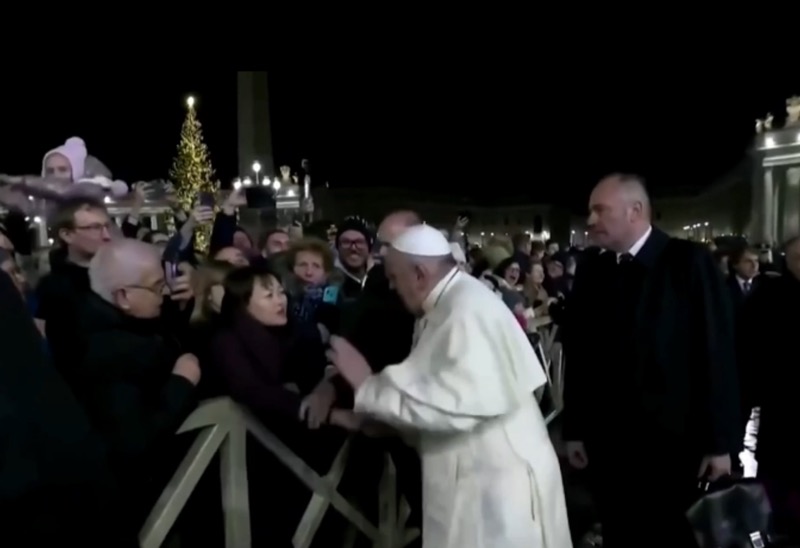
406 279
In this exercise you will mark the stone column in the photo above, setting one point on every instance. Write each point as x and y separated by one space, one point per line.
255 132
791 204
767 213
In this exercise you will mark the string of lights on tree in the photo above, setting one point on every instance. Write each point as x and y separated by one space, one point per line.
192 172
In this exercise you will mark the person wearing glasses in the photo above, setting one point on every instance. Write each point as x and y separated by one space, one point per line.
82 227
354 247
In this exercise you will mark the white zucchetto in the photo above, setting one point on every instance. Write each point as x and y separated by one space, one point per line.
422 241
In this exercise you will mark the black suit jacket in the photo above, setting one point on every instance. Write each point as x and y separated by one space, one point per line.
125 382
736 293
378 323
684 378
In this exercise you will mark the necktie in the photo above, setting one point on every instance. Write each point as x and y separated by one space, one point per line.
747 286
625 258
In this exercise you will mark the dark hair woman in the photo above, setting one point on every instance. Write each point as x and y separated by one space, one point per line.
278 373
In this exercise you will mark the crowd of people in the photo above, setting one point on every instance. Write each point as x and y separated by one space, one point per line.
406 336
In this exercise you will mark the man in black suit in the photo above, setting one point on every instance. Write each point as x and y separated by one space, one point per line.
743 278
651 400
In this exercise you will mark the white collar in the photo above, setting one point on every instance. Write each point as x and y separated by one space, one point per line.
637 247
433 297
742 282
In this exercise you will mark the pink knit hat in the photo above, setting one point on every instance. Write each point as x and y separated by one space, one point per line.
74 150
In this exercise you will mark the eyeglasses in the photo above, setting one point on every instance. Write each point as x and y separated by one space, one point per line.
96 227
156 289
352 243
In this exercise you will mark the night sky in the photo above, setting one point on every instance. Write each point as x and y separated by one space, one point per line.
477 134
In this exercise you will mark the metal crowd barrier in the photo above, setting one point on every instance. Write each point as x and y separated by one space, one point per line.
224 427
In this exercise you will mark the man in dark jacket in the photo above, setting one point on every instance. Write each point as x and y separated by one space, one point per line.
380 326
134 380
55 483
651 401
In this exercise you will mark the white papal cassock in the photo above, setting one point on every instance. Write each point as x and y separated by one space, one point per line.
491 478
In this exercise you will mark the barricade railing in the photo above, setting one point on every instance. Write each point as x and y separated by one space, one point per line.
551 354
224 426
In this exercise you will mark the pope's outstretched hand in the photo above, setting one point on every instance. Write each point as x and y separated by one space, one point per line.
348 361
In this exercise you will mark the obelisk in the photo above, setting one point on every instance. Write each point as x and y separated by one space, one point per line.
255 133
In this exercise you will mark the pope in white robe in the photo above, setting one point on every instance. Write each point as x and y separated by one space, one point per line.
491 478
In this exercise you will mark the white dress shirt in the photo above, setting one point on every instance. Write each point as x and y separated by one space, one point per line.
745 285
635 248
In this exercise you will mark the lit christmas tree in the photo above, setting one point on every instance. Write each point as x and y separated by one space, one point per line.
192 172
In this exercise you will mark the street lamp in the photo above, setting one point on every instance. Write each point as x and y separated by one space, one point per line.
256 169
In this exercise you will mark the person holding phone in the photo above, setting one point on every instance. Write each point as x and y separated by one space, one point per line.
226 231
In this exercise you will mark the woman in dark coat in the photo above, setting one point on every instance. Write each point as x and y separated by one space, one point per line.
278 373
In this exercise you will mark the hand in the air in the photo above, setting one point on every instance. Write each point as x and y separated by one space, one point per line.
14 198
171 195
348 361
576 454
715 467
235 199
202 215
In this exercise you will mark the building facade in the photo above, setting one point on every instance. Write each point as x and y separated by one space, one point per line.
776 178
723 209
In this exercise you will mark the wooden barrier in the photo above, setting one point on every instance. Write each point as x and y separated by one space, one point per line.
225 426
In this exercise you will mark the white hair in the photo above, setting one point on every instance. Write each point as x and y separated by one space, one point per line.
121 263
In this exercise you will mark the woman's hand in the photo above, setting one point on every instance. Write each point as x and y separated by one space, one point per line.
316 407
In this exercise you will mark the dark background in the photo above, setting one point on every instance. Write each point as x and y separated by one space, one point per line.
491 135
